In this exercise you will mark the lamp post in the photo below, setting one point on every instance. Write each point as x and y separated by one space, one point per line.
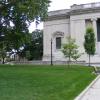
51 53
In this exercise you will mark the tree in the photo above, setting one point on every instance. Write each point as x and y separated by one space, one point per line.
3 49
89 43
3 55
35 47
28 55
37 40
76 55
15 18
70 50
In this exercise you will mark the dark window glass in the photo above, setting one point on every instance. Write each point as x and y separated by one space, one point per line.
98 30
58 43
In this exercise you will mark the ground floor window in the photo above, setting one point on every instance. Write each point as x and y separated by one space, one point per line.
98 30
58 42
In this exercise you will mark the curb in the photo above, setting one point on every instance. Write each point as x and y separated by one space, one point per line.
87 88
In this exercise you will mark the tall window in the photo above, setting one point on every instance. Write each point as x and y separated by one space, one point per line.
58 42
98 30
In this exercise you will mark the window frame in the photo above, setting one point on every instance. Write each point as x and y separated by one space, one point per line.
59 47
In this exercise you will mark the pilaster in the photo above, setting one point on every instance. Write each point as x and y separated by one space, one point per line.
95 27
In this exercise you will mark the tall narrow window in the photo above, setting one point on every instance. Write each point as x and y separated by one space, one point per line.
98 30
58 42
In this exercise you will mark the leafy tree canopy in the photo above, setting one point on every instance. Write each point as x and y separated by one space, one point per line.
89 43
70 49
34 49
15 18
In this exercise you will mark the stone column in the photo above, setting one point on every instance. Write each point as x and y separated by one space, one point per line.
95 27
94 20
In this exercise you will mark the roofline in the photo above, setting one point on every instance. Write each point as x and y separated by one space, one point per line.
75 10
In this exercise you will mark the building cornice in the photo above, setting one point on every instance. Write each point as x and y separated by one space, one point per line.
84 11
58 14
57 17
75 10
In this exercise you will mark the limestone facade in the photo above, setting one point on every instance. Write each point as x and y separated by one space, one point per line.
71 22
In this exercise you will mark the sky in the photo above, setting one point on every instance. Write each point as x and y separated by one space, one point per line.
65 4
61 4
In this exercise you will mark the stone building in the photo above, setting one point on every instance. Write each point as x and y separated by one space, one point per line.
71 22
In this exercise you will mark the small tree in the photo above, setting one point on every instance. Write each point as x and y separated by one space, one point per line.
70 49
76 55
89 43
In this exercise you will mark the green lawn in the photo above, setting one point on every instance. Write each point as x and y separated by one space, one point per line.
43 82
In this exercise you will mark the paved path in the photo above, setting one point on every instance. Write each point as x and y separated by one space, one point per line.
93 93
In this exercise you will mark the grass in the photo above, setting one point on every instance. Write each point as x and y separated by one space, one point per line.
27 82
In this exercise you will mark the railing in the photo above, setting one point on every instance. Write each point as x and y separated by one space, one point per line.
85 6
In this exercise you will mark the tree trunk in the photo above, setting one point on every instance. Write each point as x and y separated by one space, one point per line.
69 61
14 57
89 59
3 62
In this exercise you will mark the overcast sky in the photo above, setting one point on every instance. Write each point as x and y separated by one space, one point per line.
62 4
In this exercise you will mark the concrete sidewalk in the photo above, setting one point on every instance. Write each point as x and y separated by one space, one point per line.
92 92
